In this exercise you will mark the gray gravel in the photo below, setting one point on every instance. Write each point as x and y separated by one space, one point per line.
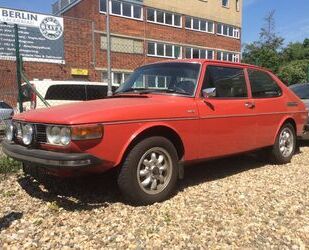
238 202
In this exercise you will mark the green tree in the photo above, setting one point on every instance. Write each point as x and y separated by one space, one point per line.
266 51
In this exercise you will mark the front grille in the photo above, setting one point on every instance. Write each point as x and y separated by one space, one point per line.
40 133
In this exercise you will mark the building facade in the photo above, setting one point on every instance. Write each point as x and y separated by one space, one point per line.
145 31
142 31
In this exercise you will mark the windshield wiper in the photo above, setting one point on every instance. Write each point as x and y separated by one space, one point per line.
149 91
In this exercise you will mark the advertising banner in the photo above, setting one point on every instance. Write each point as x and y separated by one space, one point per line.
41 36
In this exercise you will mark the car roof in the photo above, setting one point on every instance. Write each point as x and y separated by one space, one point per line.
202 61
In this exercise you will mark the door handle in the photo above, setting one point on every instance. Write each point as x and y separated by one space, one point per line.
250 105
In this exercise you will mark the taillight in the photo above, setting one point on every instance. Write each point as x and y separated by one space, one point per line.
33 98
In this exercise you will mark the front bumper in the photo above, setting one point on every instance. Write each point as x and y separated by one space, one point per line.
49 159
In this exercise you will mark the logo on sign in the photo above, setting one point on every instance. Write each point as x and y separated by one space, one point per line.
51 28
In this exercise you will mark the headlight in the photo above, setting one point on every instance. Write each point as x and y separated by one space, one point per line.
9 132
88 132
27 131
58 135
65 136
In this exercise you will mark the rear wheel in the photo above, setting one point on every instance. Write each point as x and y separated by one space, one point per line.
149 173
285 145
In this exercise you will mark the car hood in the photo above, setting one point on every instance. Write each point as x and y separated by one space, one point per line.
113 110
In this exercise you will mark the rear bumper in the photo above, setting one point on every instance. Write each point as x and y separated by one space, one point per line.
49 159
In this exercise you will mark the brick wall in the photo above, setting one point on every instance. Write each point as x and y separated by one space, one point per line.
83 49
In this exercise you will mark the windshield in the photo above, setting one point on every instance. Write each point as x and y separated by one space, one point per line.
302 91
179 78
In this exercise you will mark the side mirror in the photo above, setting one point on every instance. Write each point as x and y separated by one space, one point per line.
209 92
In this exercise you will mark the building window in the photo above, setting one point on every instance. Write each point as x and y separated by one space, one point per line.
123 45
225 3
165 18
123 9
237 5
118 78
199 53
227 30
164 50
199 24
103 6
228 56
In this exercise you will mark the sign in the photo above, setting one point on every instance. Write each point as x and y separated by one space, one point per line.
41 36
79 72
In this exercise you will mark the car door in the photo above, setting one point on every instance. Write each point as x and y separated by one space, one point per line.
227 122
270 105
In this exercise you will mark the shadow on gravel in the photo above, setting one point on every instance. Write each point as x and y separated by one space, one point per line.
8 219
73 194
87 193
219 169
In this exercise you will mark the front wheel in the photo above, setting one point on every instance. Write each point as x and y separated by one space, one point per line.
285 145
149 172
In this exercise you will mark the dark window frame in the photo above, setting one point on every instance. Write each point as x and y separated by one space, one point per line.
271 77
248 90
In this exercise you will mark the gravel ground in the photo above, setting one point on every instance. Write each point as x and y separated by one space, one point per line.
238 202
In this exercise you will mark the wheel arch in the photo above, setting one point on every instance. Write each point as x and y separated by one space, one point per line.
285 120
154 130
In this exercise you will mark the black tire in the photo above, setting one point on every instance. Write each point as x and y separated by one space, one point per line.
277 156
129 180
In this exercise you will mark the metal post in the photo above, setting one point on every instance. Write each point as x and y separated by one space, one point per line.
18 68
108 42
308 74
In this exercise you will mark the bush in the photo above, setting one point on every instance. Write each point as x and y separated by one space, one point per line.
294 72
8 165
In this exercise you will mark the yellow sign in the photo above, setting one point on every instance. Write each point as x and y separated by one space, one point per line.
80 72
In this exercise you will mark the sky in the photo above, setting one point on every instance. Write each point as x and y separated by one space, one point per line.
292 17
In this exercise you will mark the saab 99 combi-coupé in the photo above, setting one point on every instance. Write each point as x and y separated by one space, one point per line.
166 115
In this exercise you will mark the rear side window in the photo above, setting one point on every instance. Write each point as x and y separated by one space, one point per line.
263 85
228 82
66 93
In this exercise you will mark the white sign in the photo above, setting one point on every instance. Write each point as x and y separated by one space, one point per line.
41 36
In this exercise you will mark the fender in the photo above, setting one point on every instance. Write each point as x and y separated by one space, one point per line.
138 132
282 121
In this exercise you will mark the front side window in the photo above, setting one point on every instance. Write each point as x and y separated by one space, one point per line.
263 85
174 78
227 82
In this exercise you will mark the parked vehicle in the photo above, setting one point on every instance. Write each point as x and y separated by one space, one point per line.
6 113
62 92
302 91
164 116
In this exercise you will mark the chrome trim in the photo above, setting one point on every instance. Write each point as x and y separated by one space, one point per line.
172 119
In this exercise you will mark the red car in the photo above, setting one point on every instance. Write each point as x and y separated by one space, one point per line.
164 116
